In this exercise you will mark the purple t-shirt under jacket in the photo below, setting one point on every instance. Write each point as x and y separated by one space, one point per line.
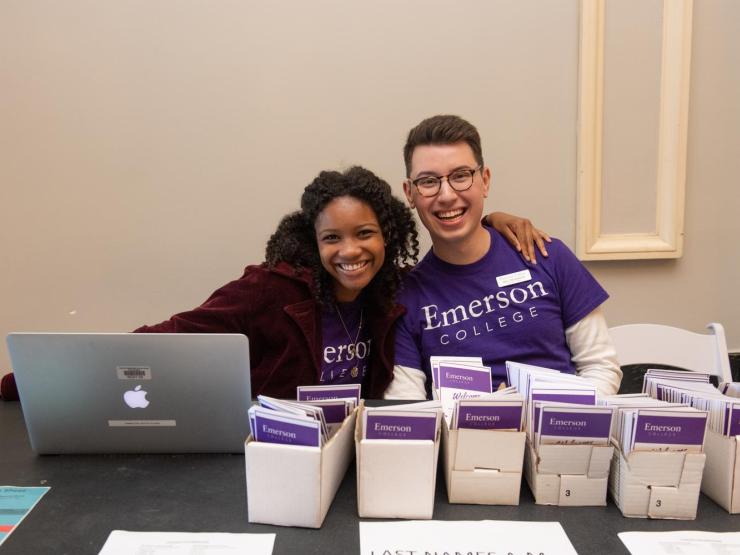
345 355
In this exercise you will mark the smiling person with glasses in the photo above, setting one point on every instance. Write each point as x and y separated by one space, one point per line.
473 294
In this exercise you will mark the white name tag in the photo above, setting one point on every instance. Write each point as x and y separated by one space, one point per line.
516 277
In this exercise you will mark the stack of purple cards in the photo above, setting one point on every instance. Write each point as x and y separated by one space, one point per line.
416 421
275 427
693 389
566 424
642 423
459 378
653 377
436 361
541 396
309 423
337 401
497 412
679 429
629 401
324 392
570 402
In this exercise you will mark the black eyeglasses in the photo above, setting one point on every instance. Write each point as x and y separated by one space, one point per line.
460 180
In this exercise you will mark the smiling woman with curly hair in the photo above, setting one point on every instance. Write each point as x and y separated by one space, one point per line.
321 308
296 239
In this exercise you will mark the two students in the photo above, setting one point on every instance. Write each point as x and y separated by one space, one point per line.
322 307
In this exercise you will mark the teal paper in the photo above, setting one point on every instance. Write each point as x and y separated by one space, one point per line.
15 504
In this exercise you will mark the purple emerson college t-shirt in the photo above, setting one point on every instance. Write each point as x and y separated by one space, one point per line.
463 310
342 360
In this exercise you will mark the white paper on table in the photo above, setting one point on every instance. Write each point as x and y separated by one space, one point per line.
688 542
121 542
436 536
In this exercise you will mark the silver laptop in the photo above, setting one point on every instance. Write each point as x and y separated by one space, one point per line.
133 393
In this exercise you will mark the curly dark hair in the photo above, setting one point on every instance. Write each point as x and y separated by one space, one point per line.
294 241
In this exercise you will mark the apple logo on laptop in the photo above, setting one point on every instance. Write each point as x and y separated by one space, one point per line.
136 398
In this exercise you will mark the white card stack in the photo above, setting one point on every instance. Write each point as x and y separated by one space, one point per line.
695 390
642 423
402 422
567 402
297 422
463 386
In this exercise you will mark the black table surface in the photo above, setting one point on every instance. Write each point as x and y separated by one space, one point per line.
93 494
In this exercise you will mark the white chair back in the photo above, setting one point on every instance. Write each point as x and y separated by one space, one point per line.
657 344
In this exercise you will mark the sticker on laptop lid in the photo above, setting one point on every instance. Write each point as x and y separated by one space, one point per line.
134 372
511 279
142 423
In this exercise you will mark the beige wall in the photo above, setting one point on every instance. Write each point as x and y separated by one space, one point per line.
704 285
148 149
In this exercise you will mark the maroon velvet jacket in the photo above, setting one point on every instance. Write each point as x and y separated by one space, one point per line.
276 310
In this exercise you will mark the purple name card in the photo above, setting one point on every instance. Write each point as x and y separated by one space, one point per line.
678 430
490 417
334 412
386 426
320 393
457 377
563 423
732 421
659 392
585 399
560 398
271 430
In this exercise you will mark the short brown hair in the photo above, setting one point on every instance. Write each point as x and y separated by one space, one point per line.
442 130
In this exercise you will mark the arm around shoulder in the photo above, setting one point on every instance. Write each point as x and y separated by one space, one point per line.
593 352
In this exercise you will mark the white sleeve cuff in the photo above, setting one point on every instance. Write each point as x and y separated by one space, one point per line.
408 383
593 352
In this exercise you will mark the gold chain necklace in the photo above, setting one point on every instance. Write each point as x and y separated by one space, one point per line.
354 371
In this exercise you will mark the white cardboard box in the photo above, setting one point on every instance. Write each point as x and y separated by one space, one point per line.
721 479
395 478
483 466
568 475
293 485
657 484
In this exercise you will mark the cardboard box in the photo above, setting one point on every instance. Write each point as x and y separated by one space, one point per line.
483 466
395 478
293 485
721 479
568 475
657 484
